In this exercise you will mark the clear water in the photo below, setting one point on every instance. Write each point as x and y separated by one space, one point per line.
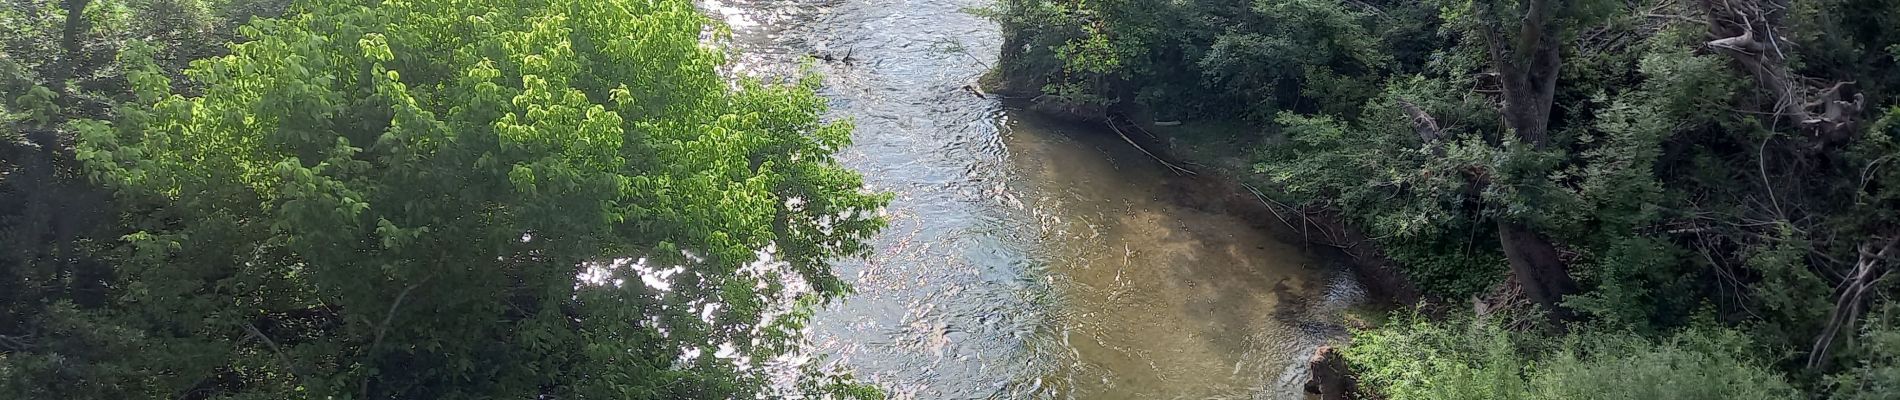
1026 258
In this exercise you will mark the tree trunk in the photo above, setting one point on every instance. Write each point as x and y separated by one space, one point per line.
1539 271
69 45
1527 67
1527 73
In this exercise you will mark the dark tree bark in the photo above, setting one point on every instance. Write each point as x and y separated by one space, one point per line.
1527 67
70 45
1527 72
1538 270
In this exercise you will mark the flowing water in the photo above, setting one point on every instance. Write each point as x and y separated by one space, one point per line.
1027 259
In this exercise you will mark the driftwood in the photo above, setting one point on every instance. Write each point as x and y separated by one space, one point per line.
828 56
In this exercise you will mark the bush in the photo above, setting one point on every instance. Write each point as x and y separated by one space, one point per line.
1464 358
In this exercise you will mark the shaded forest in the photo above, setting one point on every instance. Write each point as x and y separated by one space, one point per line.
1567 199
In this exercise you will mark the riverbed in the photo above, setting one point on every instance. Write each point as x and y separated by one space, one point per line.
1028 258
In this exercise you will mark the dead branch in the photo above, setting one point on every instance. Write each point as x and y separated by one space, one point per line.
1177 169
1745 32
383 329
1270 205
275 350
1867 173
1427 128
15 343
1851 297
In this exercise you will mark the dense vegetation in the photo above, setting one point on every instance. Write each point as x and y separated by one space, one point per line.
1625 167
408 199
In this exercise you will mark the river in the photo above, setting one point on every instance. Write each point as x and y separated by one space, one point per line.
1027 258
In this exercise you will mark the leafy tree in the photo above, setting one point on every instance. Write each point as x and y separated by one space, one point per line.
446 199
1634 162
57 64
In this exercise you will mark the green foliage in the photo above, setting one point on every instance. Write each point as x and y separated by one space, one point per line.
1667 180
1413 359
1876 375
1638 280
1795 298
445 199
1192 59
1876 195
1643 281
1409 195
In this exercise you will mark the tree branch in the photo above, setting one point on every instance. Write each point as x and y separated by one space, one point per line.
278 351
1746 35
383 329
1850 298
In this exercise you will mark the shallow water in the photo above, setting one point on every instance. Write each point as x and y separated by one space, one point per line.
1028 258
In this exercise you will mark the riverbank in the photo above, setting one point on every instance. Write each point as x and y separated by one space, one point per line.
1226 159
1217 158
1025 257
1628 177
1212 173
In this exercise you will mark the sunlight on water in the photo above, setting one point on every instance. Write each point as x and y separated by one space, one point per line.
1026 258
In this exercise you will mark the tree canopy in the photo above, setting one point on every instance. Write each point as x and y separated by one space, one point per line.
1627 166
454 199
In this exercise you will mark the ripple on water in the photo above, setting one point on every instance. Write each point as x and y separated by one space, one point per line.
1025 258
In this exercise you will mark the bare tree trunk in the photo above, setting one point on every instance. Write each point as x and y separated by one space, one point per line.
1539 271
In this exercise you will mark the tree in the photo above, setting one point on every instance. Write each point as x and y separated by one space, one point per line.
57 64
1635 161
1527 63
442 199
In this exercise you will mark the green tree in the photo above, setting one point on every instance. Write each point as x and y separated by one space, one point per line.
1634 162
451 199
58 63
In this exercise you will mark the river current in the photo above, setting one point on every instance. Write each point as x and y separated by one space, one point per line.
1027 258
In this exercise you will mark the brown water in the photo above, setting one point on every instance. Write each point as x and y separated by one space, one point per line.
1027 258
